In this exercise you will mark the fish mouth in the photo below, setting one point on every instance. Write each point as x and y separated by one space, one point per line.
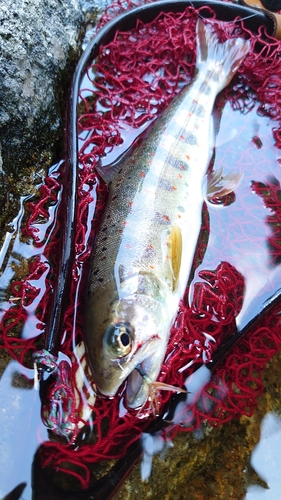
137 386
143 373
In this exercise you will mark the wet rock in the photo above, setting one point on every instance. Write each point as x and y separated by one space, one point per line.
214 463
92 10
38 47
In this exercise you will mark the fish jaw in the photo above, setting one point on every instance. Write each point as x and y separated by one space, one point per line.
148 320
137 390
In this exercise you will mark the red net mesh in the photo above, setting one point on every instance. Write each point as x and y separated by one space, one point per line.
34 252
134 78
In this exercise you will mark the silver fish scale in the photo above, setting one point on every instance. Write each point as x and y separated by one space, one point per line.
164 190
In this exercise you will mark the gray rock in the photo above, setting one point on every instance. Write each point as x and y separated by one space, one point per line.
38 50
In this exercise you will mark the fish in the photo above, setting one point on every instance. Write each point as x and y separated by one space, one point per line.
144 249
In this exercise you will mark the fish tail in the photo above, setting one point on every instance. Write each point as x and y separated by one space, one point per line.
223 59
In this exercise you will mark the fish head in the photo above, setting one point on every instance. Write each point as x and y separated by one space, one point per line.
124 334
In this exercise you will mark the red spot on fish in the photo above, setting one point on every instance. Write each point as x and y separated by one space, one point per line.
180 176
142 174
182 138
151 267
166 218
174 188
130 203
182 167
187 157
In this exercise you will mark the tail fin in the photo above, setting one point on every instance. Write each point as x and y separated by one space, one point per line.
224 58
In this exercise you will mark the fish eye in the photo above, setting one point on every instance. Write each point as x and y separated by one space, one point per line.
118 339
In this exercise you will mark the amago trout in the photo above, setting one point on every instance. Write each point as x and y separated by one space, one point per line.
148 234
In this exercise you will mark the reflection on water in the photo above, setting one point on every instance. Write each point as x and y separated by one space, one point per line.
243 223
25 280
266 460
239 233
26 250
21 428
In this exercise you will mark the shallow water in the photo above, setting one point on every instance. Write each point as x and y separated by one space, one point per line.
22 428
239 233
213 463
244 223
228 462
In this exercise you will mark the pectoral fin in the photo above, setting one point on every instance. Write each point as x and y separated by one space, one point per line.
172 254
